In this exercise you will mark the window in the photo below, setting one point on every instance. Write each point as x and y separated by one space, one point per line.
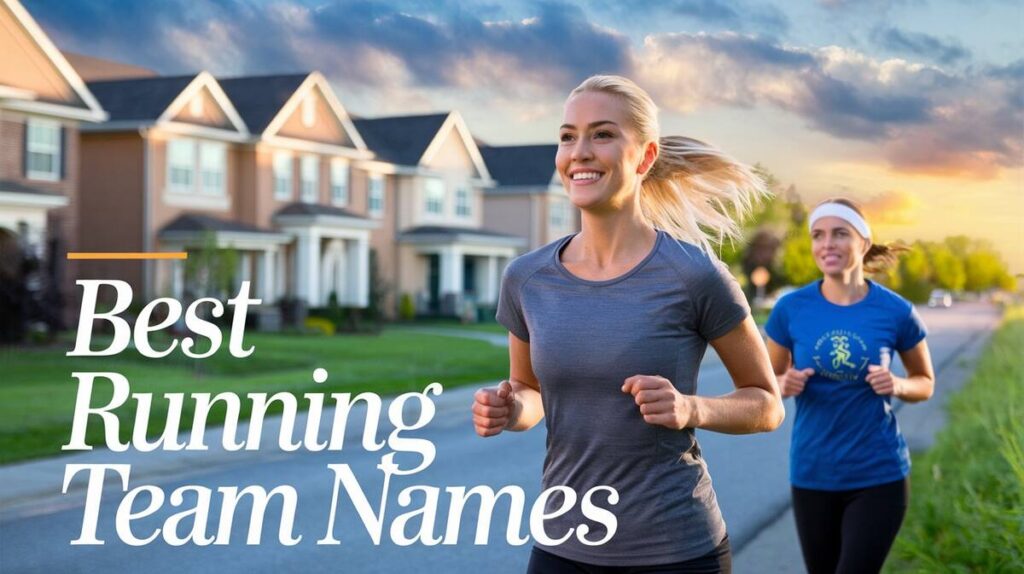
181 165
462 206
283 175
376 194
558 212
309 179
339 182
434 189
42 146
212 167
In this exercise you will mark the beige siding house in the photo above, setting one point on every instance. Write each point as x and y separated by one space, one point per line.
435 247
43 103
529 199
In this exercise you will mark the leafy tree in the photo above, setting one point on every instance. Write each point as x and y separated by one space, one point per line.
947 269
915 274
797 262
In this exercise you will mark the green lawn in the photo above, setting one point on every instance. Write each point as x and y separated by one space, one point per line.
967 501
37 392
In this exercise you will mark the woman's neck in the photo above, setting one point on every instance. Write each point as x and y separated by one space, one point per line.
607 239
846 288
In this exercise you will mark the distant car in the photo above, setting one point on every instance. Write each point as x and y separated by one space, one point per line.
940 298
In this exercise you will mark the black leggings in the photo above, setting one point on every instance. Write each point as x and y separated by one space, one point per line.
849 531
718 561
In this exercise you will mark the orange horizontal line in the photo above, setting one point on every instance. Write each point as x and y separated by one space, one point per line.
130 255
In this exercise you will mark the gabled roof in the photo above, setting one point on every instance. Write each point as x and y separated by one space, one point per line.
400 139
531 165
86 108
270 100
159 99
260 98
139 98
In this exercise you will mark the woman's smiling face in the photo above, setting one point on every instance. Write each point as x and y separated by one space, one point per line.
598 153
836 246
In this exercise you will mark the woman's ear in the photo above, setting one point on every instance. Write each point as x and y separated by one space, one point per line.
650 156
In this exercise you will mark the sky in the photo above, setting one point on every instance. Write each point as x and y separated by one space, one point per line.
915 108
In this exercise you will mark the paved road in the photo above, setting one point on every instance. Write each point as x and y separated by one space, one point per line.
37 523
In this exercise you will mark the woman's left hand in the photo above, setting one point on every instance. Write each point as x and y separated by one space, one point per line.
660 403
882 381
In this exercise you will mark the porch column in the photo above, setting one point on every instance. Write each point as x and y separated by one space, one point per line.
244 267
358 267
451 270
266 263
307 260
490 287
281 274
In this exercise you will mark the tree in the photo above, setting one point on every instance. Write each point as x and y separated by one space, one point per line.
915 274
947 269
984 270
797 262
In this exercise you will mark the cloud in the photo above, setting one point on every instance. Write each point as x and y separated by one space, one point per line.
891 207
921 118
924 119
948 51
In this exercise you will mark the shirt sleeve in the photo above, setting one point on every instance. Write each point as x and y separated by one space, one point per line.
719 303
777 326
510 309
912 331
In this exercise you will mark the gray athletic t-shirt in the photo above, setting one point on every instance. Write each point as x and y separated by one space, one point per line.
586 338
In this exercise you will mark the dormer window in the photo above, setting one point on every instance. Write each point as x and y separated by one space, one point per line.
463 206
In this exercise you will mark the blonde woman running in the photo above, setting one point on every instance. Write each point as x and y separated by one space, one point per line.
607 329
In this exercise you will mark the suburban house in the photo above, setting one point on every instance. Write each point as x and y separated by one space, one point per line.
529 199
262 165
43 103
435 248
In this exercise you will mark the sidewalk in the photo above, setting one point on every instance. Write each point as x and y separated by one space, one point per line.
776 549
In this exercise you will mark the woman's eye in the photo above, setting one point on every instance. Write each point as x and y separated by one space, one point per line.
603 134
565 137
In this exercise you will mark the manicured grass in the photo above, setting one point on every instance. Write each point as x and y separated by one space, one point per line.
37 391
967 501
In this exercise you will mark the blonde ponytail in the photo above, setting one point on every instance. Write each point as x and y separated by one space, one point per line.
693 191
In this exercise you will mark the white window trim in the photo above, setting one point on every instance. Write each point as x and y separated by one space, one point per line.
56 151
279 158
306 160
559 206
223 157
375 177
338 164
463 191
427 197
173 188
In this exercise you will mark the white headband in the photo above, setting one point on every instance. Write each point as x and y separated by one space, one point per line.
842 212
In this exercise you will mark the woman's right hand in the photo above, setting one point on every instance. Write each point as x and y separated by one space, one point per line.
793 381
494 409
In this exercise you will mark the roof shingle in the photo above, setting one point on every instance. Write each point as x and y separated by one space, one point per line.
400 139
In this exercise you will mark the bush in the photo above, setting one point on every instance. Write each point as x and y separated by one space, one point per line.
320 325
406 308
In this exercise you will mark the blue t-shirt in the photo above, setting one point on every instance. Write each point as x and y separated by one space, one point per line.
845 435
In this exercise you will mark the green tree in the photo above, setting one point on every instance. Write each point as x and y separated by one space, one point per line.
797 263
947 269
984 269
915 274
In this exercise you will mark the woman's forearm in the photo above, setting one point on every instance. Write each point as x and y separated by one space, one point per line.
529 409
743 411
914 389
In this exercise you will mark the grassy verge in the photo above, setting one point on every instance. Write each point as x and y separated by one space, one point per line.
967 502
37 391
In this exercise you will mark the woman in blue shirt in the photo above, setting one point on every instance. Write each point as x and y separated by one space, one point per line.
830 345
